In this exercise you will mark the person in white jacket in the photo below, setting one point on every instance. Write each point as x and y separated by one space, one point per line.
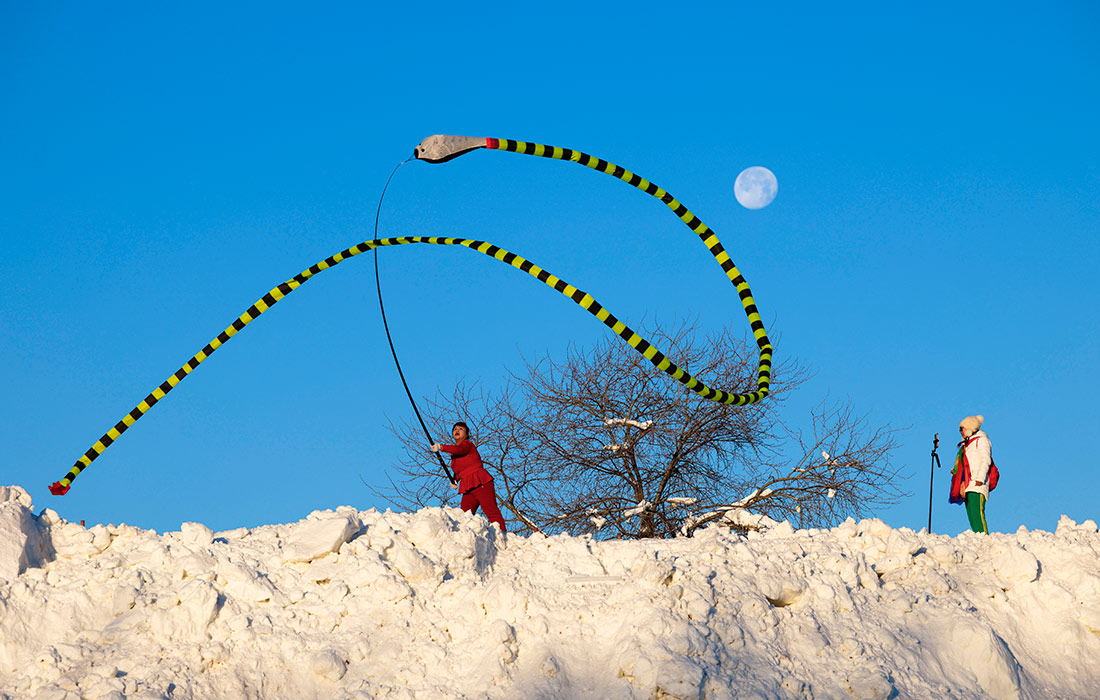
978 454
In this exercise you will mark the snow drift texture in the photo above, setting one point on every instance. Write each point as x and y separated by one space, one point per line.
436 604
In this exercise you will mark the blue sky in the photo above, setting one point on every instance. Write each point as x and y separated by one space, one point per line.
931 253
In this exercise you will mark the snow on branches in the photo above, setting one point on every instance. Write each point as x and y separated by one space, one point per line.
617 422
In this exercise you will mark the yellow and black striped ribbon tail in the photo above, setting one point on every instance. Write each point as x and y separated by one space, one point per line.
278 293
709 238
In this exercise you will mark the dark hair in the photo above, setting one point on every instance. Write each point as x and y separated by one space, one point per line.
463 425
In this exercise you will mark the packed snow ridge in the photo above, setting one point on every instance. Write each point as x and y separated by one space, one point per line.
439 604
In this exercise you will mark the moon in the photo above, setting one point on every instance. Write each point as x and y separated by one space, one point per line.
755 187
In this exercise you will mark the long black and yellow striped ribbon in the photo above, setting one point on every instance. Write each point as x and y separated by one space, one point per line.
278 293
440 148
709 238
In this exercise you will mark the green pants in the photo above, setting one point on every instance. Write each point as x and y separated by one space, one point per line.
975 511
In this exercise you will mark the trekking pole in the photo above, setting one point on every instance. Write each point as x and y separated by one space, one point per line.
932 479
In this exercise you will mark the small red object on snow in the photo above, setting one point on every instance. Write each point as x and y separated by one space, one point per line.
57 489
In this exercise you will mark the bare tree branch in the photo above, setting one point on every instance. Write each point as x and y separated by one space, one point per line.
602 443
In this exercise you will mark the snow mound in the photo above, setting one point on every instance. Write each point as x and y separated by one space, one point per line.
20 545
350 604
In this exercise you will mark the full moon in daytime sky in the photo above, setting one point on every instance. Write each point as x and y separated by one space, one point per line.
755 187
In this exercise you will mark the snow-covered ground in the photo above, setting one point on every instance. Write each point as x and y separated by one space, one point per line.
437 604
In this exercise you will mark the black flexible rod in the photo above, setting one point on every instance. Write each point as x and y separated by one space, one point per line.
386 325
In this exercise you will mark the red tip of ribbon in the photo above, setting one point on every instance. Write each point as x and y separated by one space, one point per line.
491 143
57 489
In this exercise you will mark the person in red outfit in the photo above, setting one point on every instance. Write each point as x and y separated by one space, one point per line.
475 483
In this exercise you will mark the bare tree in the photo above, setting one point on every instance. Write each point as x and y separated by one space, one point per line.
604 443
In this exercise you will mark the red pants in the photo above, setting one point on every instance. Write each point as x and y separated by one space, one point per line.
486 497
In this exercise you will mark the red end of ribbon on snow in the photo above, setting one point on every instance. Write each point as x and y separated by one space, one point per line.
57 489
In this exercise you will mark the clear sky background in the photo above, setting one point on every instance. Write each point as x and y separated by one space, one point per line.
932 252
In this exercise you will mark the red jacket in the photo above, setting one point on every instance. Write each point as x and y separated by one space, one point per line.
466 463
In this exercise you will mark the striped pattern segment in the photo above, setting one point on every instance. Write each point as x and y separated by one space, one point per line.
709 238
274 296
